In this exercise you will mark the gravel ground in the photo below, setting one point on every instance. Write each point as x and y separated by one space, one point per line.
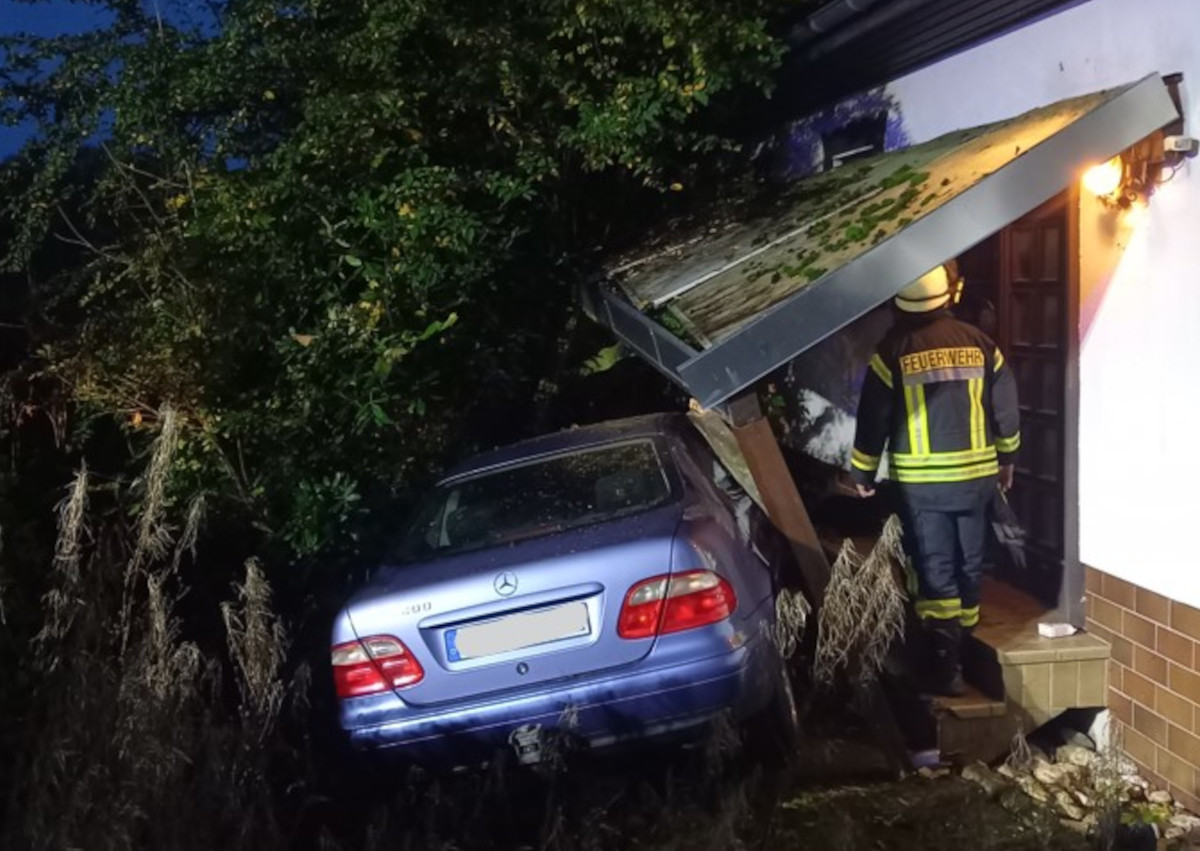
931 815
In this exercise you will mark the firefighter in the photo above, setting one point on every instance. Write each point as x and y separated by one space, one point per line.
941 400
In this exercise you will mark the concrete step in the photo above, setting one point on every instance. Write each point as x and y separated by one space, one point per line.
973 704
1008 660
974 727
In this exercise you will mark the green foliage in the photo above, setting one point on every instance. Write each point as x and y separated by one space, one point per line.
330 235
669 319
603 360
1146 813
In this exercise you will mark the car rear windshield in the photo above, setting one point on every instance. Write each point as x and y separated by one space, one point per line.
539 498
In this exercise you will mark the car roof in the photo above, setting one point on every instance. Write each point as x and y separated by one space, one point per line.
579 437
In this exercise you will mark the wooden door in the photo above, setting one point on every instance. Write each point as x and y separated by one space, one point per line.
1033 334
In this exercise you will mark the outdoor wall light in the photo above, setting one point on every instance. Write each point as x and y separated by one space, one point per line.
1105 179
1132 176
1127 179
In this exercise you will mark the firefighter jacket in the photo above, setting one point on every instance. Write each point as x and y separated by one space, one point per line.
939 396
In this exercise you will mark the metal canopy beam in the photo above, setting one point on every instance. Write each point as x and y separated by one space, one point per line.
656 345
812 314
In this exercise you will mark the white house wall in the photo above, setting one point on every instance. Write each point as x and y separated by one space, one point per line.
1140 325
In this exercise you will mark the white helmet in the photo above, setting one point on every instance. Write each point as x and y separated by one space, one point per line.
927 293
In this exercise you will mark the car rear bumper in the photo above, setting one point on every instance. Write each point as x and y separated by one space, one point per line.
601 712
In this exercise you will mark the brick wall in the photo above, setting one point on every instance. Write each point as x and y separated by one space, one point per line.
1154 679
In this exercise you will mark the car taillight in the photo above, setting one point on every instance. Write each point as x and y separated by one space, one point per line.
373 665
665 604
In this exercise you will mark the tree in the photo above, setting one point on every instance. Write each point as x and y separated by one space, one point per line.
336 235
283 258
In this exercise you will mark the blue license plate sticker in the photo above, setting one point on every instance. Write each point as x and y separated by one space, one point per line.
451 646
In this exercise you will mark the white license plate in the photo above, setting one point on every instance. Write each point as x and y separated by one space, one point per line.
514 632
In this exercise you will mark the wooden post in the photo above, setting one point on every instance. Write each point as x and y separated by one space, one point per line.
785 507
778 491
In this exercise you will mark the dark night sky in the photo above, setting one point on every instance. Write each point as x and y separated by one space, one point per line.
44 18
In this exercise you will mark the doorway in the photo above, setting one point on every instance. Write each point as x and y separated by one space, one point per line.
1018 289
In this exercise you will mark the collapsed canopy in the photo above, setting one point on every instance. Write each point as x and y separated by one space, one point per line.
750 292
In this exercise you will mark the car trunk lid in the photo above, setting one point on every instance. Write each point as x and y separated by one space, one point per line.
511 617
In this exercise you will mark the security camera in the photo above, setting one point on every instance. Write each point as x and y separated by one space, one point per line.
1185 146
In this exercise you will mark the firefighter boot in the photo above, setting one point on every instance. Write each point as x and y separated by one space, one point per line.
945 670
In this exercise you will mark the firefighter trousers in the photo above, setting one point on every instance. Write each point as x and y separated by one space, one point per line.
946 553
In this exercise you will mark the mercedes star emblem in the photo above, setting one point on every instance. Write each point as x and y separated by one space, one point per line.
505 584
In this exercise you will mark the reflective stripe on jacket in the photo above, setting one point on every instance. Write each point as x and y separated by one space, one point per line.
940 398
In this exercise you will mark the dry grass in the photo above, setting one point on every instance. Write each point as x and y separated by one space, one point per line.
152 538
132 741
258 647
791 617
863 611
1020 755
191 531
153 533
63 600
1109 788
